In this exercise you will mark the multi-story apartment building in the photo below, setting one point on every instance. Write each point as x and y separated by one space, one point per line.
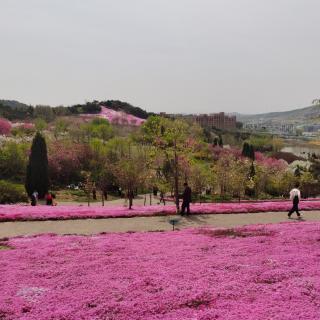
216 120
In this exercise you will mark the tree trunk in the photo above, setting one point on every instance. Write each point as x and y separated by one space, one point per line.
221 190
102 198
130 202
150 199
176 181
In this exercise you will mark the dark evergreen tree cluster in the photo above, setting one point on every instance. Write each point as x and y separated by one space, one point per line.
297 172
218 141
37 178
248 151
126 107
95 107
20 111
16 112
89 107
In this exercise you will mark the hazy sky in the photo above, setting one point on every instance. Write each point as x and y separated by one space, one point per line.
162 55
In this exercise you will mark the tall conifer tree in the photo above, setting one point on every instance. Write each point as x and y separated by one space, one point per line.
220 142
37 178
251 152
245 151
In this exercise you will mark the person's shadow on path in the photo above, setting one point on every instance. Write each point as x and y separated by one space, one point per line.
187 220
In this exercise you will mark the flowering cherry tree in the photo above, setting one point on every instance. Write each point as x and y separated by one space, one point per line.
5 126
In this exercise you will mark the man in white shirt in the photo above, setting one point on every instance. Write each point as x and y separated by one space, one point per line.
295 196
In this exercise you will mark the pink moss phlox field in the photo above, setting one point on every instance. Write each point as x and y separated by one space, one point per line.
116 117
26 212
253 273
24 125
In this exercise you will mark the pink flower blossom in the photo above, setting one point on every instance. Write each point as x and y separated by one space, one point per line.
28 125
269 162
5 126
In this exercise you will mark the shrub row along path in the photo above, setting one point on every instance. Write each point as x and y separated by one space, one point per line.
153 223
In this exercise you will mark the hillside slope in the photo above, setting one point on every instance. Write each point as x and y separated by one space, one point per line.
13 104
115 117
302 114
15 110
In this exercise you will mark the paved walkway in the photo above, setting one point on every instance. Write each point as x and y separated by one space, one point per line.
94 226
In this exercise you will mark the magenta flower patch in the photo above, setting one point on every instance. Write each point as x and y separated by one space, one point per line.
24 212
256 272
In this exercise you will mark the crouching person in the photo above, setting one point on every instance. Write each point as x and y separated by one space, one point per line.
34 198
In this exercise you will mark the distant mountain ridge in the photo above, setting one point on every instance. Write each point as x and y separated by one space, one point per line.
22 110
12 109
305 114
13 104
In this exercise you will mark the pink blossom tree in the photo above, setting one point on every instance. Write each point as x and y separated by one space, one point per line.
5 126
66 162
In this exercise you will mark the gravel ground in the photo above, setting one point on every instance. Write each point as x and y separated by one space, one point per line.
95 226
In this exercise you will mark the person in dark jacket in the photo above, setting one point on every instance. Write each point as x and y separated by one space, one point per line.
186 199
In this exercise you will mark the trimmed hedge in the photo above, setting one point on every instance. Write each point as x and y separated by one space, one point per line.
12 193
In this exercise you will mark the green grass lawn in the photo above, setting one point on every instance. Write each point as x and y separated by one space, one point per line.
4 247
67 195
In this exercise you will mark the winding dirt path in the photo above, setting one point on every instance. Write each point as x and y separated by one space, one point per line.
94 226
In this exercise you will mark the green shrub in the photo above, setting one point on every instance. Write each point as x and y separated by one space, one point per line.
11 193
219 198
265 196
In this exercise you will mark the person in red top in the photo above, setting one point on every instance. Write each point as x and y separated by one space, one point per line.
49 199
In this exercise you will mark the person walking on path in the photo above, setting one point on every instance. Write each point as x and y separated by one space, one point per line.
295 196
162 198
186 199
